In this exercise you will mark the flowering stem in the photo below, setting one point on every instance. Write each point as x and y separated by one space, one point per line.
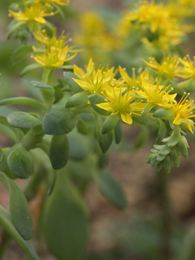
47 93
46 74
166 225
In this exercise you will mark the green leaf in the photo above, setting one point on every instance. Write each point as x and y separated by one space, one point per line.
19 211
19 162
22 120
6 223
105 141
59 151
80 146
21 101
82 127
86 123
78 99
59 10
9 132
14 27
109 124
65 222
47 91
118 133
68 68
39 84
162 113
58 121
3 163
111 189
30 67
68 80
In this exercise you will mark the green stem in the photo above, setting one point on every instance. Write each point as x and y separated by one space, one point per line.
166 222
32 138
34 184
46 75
47 93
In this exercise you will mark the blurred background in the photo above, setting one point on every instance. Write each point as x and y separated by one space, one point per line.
98 28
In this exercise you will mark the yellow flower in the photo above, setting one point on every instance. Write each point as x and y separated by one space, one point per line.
132 81
54 42
156 94
165 39
122 104
183 111
169 67
161 29
135 81
94 80
53 58
52 52
93 31
188 68
32 13
151 14
123 27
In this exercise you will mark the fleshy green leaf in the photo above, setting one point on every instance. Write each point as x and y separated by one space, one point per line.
6 223
65 222
22 120
105 141
59 151
78 99
79 146
14 27
30 67
109 124
11 133
111 189
58 121
19 162
24 101
118 133
19 211
39 84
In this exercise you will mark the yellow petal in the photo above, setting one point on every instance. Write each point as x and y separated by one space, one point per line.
126 118
78 71
105 106
124 74
90 65
83 84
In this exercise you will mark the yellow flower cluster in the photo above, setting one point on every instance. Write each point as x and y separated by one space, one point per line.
174 67
95 36
125 96
132 96
36 11
155 27
160 26
32 13
94 80
52 52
